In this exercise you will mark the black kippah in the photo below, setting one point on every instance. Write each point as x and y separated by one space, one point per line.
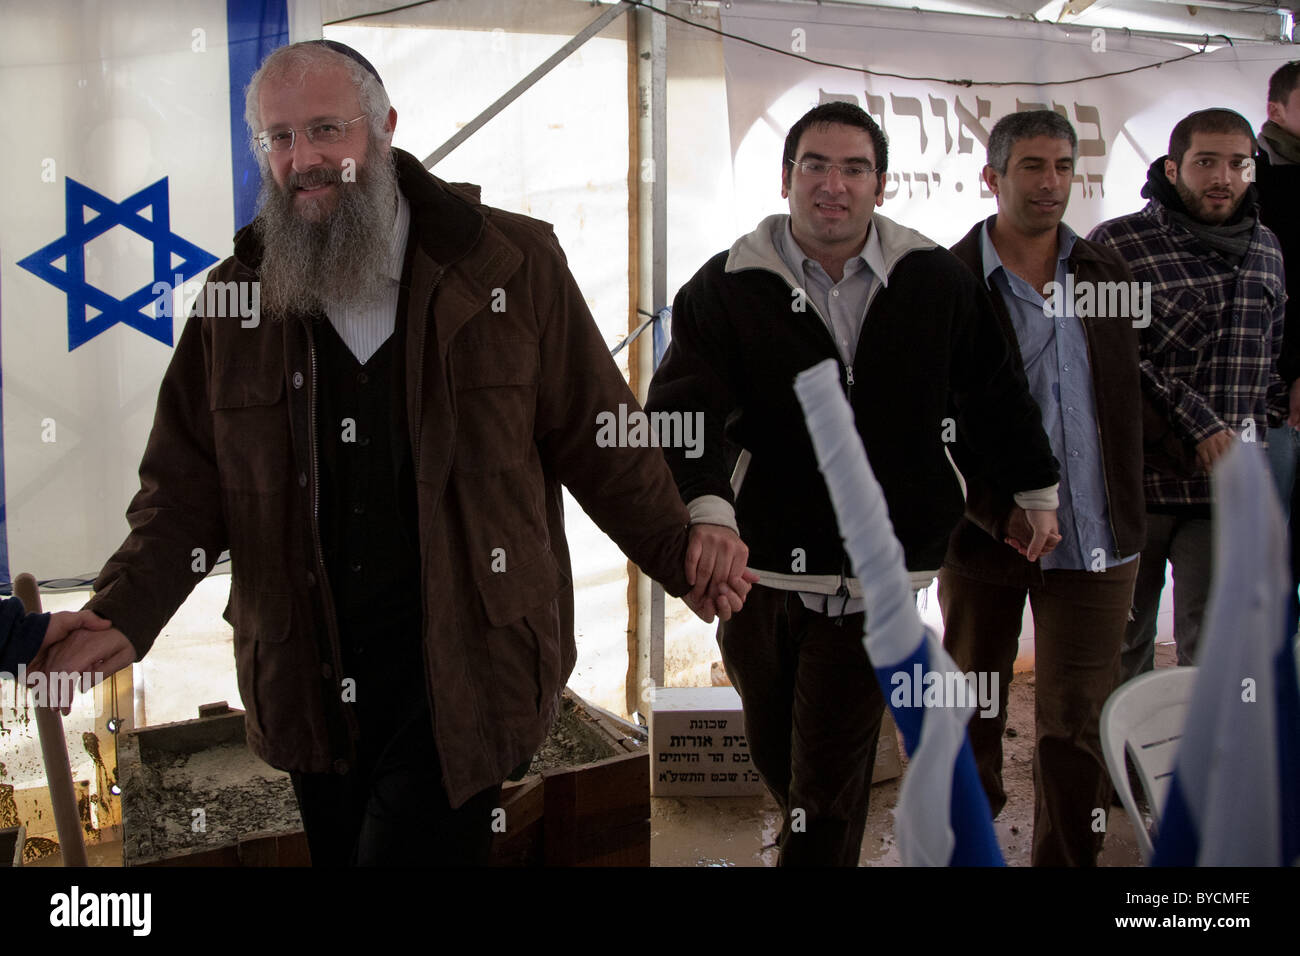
350 53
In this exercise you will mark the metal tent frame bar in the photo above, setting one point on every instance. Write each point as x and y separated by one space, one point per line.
647 663
508 97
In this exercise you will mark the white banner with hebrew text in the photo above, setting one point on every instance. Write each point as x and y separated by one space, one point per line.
938 127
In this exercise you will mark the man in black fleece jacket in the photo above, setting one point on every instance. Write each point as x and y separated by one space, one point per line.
924 364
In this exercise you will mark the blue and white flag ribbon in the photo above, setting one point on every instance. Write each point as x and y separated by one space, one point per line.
1235 795
943 816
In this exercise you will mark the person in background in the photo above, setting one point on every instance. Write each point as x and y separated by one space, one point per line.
1209 357
1277 177
1083 373
923 363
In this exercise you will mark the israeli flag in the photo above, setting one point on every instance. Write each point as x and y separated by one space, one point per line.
943 816
126 173
1235 795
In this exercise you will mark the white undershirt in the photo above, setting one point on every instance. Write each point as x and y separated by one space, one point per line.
364 328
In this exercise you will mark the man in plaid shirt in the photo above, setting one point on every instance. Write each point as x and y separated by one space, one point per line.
1208 357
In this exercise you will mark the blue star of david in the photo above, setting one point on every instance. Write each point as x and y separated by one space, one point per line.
72 248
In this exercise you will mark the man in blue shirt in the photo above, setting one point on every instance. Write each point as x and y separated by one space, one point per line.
1070 307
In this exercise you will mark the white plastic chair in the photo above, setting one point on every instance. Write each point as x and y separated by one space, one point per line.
1144 718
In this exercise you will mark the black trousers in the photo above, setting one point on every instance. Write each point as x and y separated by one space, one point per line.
391 809
813 710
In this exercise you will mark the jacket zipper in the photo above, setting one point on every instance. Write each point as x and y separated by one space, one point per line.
846 571
846 368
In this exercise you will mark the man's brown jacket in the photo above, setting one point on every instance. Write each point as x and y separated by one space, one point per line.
505 375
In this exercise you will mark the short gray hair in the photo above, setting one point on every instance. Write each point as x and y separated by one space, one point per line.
294 62
1029 124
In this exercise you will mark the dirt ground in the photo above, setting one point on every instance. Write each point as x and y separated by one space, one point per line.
742 831
1015 825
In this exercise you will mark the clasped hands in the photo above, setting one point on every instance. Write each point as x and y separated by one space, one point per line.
1032 533
80 642
715 569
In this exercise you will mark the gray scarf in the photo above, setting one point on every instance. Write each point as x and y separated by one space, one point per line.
1232 242
1283 146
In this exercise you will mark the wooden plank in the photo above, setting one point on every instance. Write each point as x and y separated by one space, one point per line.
190 736
613 785
521 843
599 812
274 849
12 840
221 856
559 838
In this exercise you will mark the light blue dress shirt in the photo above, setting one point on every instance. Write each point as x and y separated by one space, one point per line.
1055 355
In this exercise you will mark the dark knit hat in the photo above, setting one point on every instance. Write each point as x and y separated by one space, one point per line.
350 53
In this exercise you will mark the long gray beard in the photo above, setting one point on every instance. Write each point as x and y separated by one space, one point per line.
341 260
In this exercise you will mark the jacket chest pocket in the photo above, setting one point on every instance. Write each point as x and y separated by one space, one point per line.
494 387
250 429
1182 328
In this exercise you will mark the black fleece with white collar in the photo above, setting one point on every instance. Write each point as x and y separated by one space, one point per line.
931 360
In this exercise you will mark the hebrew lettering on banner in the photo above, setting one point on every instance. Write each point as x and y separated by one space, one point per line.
905 120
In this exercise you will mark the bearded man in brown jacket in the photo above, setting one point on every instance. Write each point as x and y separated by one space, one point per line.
382 451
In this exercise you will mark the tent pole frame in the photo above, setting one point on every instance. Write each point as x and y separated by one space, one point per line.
646 668
648 283
512 94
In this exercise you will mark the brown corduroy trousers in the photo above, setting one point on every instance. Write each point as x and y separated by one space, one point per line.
1079 621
